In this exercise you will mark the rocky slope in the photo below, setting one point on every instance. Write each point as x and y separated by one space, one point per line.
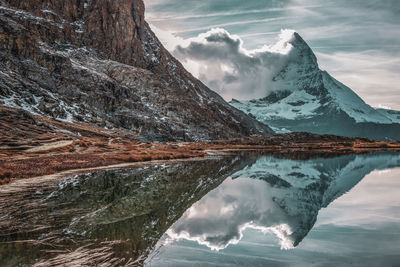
305 98
99 62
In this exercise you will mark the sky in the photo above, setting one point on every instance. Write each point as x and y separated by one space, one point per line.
356 41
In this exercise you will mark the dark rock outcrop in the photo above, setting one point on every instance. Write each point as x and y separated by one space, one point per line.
98 61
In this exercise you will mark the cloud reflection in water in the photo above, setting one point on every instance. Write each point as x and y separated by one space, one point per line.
279 196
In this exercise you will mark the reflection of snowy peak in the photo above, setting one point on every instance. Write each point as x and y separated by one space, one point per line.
279 196
305 98
302 188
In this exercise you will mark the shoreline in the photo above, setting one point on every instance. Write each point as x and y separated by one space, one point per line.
35 146
203 154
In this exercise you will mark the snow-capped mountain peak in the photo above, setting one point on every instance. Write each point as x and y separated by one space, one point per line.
305 98
302 53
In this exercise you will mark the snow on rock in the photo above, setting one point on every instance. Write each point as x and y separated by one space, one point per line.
298 104
351 103
393 115
301 91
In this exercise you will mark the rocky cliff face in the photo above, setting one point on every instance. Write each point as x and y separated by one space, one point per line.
99 62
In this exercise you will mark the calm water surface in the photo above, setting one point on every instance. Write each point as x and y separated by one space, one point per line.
241 210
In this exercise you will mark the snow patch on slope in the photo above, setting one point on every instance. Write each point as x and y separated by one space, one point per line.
298 105
351 103
393 115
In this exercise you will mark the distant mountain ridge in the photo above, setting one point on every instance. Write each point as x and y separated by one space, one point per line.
309 99
98 61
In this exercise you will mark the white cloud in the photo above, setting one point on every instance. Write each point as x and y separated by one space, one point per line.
336 30
221 62
219 219
168 38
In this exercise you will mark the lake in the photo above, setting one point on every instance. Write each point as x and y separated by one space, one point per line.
245 209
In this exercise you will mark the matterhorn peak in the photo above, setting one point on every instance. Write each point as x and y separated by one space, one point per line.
298 41
302 97
301 51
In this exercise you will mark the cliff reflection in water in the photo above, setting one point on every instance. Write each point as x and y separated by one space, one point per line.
116 217
108 217
275 195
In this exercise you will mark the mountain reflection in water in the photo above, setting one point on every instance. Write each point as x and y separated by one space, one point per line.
116 217
108 217
280 196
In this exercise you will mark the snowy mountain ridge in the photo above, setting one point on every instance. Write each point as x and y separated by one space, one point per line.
303 94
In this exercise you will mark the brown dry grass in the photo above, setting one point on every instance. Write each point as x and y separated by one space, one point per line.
5 175
50 164
92 146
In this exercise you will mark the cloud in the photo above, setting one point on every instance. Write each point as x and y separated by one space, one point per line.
169 39
219 219
210 15
284 197
272 196
336 30
221 62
